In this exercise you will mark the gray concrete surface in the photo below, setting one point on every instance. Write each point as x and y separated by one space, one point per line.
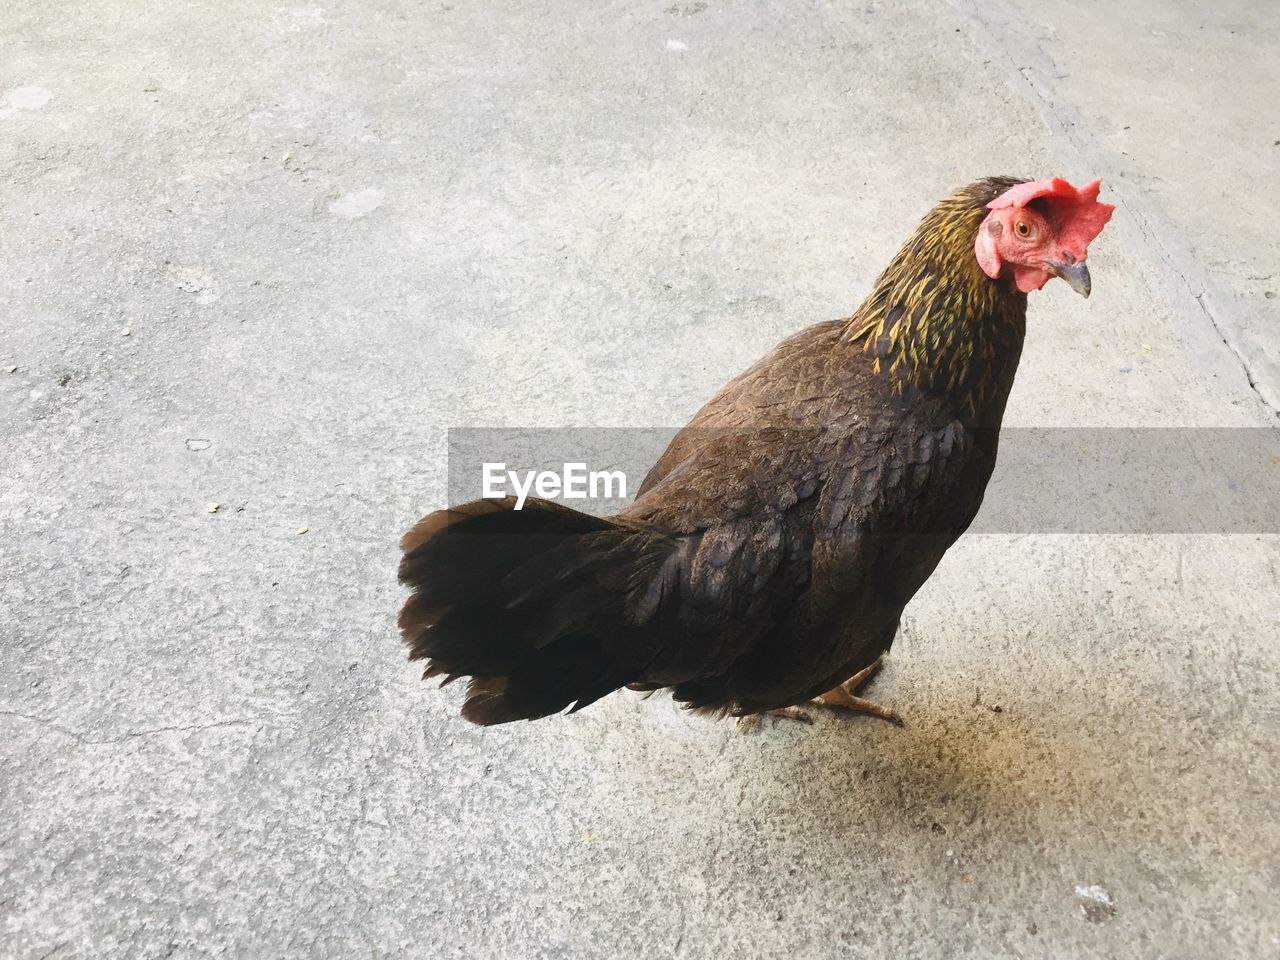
264 255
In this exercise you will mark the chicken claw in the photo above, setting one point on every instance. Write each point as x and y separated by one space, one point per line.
842 697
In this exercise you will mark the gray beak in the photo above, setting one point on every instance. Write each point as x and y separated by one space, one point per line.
1076 275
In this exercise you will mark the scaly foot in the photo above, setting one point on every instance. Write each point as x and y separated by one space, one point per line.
842 697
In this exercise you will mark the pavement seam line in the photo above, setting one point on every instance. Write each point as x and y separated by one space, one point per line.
1178 261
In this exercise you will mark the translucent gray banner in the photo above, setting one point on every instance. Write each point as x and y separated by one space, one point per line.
1058 480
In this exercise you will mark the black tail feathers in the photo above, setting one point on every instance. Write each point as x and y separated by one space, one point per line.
543 607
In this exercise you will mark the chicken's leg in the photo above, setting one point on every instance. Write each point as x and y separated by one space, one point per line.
842 696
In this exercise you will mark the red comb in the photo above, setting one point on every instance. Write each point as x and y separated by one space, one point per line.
1080 214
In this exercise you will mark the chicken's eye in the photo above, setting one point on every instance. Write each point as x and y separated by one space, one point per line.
1023 229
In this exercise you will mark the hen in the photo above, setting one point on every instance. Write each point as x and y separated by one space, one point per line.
769 554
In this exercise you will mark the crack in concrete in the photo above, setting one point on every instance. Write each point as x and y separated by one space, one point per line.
52 950
1030 62
128 735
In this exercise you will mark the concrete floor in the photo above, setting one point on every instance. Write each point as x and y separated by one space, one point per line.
263 255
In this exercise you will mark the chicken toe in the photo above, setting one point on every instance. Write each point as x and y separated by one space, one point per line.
845 698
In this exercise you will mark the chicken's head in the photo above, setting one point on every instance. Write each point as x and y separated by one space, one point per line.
1040 230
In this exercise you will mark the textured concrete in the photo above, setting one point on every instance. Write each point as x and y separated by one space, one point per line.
264 255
